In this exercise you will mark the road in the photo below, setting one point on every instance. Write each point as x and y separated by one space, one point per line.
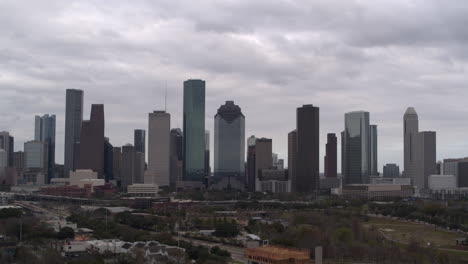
237 253
38 209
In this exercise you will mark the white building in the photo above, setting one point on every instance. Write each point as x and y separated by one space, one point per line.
159 128
275 186
442 182
398 181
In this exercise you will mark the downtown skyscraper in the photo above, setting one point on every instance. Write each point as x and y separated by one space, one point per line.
419 151
73 120
90 154
373 144
308 155
44 130
229 141
331 156
139 140
194 130
159 129
356 157
410 128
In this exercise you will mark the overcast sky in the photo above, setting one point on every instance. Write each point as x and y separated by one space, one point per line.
268 56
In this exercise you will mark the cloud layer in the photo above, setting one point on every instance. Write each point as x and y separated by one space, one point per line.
270 58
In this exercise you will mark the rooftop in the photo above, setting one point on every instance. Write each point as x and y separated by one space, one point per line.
276 253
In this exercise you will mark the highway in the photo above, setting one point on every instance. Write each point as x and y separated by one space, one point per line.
237 253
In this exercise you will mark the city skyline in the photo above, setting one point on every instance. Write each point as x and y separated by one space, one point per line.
285 64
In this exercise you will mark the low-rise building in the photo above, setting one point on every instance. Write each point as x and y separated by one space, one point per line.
377 191
143 190
442 182
277 255
396 181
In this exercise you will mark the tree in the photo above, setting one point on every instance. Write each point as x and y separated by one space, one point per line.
66 232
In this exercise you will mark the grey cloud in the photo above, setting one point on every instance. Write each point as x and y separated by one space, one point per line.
380 56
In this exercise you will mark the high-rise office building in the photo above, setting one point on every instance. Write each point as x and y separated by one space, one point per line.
18 160
176 156
207 153
194 130
331 156
251 172
391 170
356 148
410 127
263 158
73 120
139 140
117 165
459 169
90 153
44 130
423 157
127 166
373 150
229 141
159 129
7 145
307 162
292 157
36 155
108 160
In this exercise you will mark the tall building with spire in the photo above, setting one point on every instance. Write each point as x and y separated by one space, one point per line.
410 128
73 120
419 151
194 130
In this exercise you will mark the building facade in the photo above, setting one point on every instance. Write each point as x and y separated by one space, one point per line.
263 158
159 129
423 158
292 157
229 141
90 153
7 145
410 127
139 140
374 171
391 170
207 153
108 160
176 156
73 120
307 163
251 172
44 130
331 156
356 148
194 130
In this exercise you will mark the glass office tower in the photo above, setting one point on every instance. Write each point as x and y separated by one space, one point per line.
356 152
44 130
229 141
194 130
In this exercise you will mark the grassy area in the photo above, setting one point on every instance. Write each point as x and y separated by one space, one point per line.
404 232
